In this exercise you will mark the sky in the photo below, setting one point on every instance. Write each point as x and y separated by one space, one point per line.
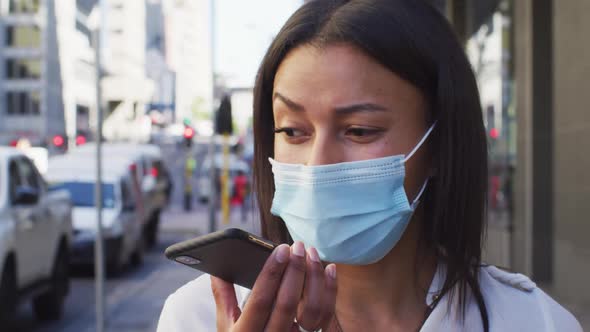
244 30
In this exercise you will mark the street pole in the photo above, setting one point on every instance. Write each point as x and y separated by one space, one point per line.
98 243
211 152
224 181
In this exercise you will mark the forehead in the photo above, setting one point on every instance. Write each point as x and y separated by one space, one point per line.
338 74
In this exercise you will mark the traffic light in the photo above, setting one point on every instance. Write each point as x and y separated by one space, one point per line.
223 118
188 134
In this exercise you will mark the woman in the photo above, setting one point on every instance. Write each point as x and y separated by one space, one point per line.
371 155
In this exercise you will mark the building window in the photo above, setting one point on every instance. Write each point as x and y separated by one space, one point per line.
23 36
23 68
23 6
23 102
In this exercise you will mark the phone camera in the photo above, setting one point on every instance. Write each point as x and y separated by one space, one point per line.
187 260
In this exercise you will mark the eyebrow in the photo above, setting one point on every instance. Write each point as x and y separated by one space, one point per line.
342 110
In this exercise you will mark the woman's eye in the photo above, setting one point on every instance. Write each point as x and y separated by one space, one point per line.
290 132
361 132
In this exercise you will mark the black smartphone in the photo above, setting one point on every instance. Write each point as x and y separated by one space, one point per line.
233 255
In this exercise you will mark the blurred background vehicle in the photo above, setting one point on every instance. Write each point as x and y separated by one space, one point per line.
35 238
147 166
123 227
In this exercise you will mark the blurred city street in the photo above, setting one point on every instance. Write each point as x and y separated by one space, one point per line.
168 89
135 298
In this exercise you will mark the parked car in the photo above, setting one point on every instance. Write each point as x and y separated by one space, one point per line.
122 214
148 165
35 237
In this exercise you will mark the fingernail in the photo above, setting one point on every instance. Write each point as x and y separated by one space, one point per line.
313 254
298 249
282 255
331 270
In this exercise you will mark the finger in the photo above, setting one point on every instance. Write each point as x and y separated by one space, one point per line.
285 307
226 303
330 292
309 312
261 299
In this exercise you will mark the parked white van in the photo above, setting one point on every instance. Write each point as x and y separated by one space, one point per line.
121 215
146 161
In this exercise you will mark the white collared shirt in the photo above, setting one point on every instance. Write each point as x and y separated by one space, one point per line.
513 302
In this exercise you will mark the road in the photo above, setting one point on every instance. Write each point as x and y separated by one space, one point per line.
135 298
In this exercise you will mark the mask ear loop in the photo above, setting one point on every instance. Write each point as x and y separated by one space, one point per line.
417 199
420 143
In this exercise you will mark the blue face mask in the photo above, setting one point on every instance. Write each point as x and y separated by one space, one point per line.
351 212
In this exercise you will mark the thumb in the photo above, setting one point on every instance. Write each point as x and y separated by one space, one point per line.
226 303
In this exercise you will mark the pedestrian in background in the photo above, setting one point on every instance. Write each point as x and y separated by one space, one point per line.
189 169
371 153
241 190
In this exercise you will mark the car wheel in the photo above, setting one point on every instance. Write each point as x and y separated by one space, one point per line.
152 230
49 305
8 295
116 265
137 257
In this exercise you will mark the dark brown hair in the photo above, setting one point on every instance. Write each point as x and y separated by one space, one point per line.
415 41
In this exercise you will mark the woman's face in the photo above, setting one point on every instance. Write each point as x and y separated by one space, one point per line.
336 104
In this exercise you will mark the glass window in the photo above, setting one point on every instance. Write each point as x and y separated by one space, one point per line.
23 103
22 173
12 105
126 193
34 103
23 68
23 36
490 50
14 180
28 174
23 6
82 193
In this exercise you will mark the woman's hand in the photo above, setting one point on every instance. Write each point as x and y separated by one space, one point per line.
292 285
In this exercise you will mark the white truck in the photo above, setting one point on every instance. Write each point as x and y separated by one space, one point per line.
35 234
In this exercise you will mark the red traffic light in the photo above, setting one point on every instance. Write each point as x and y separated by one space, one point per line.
189 132
58 141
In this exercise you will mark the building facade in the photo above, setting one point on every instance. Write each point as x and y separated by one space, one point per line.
539 164
31 100
126 89
188 54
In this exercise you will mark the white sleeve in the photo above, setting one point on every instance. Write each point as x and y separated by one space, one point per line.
190 308
556 316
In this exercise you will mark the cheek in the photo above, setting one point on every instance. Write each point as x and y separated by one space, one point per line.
288 153
381 148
